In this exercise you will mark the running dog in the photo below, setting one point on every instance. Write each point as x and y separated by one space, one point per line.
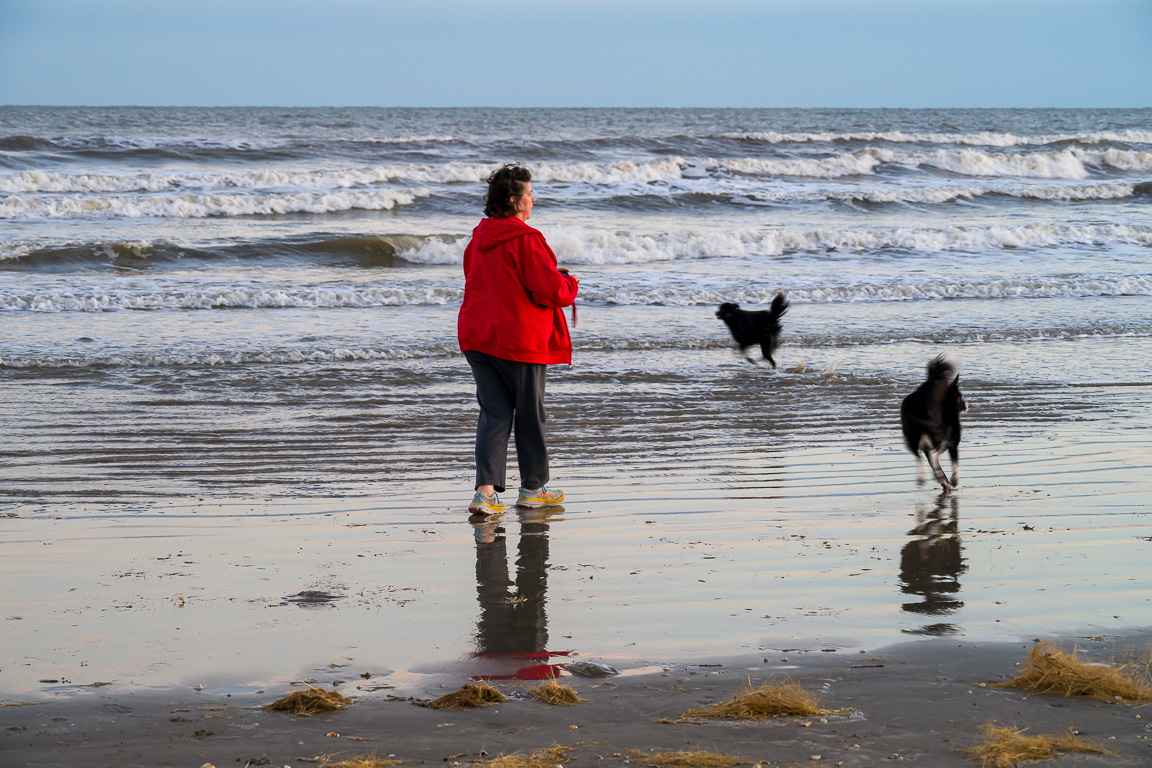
930 419
761 327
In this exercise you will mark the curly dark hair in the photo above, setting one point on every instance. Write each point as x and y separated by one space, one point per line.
505 183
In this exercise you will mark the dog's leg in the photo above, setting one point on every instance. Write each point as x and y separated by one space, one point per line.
934 462
954 453
766 351
923 447
933 456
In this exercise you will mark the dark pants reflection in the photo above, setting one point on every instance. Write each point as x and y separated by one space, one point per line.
931 563
512 631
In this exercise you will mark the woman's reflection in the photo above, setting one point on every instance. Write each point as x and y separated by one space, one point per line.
512 631
931 564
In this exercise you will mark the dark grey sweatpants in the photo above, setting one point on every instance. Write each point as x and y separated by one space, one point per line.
510 393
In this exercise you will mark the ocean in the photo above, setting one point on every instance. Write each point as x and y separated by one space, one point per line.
226 329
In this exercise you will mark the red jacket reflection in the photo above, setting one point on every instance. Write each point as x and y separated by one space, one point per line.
513 295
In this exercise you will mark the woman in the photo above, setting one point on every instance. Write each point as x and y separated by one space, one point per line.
511 327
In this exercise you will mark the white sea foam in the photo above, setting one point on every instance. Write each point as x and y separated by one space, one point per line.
1072 287
213 359
680 294
42 182
587 246
237 297
162 143
982 139
14 251
855 164
305 179
931 195
420 139
1062 164
579 172
1073 163
199 205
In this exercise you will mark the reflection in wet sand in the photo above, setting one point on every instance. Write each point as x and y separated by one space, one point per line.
512 630
931 564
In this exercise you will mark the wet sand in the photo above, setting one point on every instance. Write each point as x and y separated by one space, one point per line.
788 565
913 702
792 546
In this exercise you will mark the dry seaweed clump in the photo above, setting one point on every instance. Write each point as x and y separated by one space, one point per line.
548 757
553 692
686 759
1008 747
1049 670
468 697
310 702
364 761
766 701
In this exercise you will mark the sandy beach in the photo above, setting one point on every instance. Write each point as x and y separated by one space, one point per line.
920 702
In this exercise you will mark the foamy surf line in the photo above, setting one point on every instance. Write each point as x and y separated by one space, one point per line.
1063 164
194 206
984 138
579 246
940 195
97 181
429 293
216 359
601 247
1072 163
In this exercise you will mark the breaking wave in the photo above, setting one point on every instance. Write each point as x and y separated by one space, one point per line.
576 246
1063 164
39 181
191 206
938 195
583 246
982 139
352 250
1071 164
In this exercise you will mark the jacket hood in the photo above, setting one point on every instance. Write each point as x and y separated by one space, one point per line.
491 232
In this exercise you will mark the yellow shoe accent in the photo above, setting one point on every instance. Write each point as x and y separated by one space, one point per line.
541 497
485 504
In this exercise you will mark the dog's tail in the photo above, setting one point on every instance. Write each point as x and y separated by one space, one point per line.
941 369
777 310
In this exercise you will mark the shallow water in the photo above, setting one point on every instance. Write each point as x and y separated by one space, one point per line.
229 377
751 513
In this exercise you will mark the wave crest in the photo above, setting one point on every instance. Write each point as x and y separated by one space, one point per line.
192 206
599 247
981 139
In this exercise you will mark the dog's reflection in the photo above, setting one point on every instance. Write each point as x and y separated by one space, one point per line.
931 563
512 630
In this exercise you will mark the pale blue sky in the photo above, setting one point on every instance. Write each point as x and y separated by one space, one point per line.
719 53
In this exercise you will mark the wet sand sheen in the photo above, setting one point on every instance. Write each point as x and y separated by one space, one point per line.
826 547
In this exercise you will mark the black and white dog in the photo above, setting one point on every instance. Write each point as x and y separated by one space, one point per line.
930 419
760 327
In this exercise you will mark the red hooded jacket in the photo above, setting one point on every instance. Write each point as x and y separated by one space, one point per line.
513 295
